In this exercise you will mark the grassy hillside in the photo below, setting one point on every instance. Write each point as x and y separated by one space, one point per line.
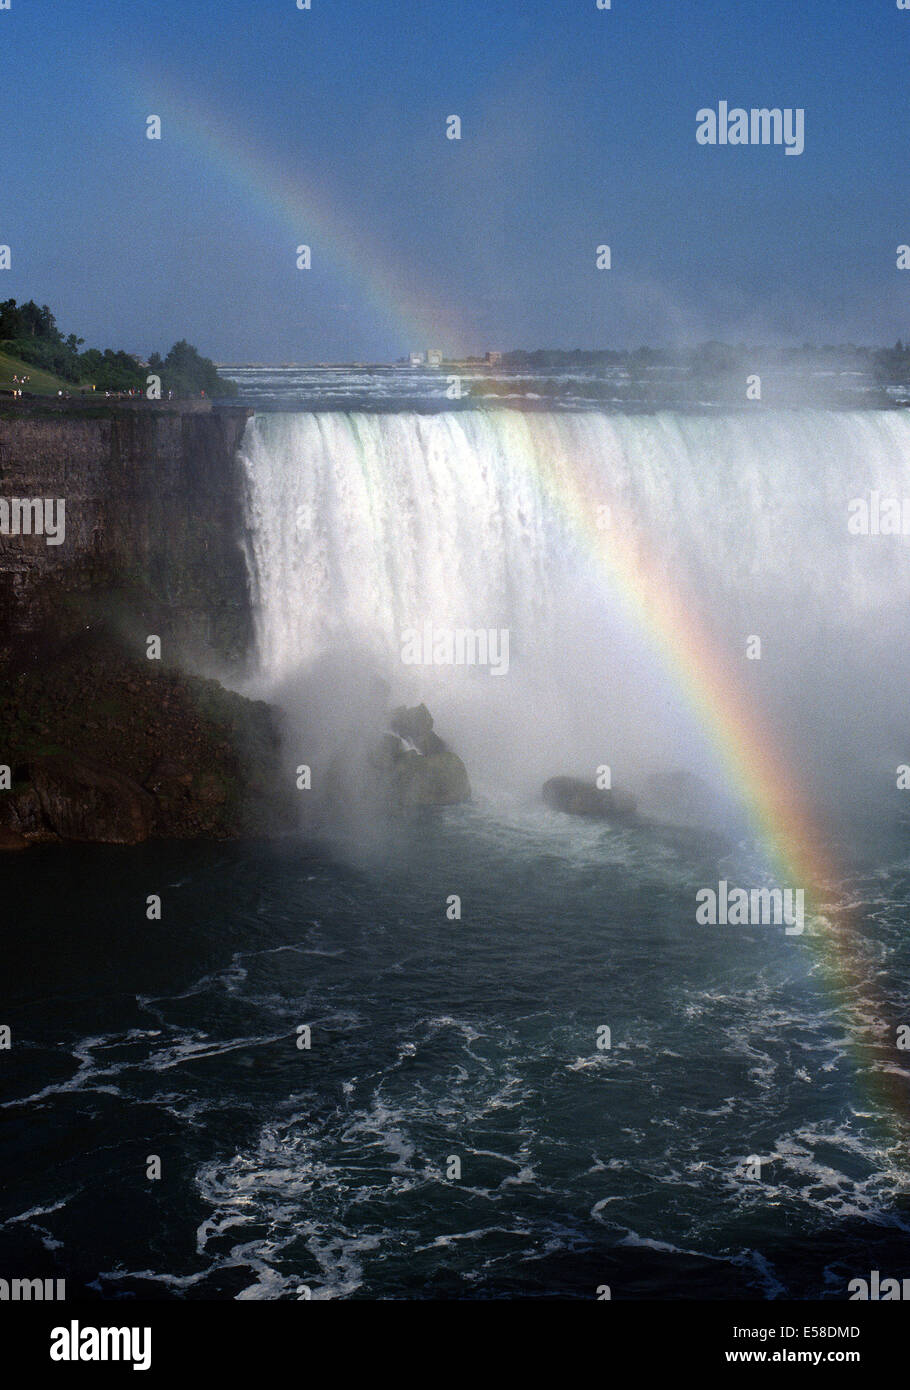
41 384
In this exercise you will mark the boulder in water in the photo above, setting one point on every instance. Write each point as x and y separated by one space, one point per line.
416 727
578 798
431 779
406 768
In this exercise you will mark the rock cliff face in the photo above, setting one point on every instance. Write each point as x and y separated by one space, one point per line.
102 744
153 525
97 741
101 737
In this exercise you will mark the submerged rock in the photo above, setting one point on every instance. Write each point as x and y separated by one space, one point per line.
578 798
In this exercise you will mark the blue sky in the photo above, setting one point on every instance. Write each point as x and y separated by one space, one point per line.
327 127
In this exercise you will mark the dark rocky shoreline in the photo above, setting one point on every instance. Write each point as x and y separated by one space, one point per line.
105 745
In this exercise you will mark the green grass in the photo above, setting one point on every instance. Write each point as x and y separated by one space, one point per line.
42 383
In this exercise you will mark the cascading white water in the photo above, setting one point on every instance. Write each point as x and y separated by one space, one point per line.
364 526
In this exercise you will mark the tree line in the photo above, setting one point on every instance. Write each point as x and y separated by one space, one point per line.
887 365
29 332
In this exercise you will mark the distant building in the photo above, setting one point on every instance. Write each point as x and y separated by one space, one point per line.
434 358
493 359
416 359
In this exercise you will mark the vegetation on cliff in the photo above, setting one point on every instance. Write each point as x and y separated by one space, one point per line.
40 382
29 337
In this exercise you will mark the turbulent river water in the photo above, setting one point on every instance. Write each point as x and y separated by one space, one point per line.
744 1135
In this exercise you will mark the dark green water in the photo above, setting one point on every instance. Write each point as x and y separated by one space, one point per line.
326 1169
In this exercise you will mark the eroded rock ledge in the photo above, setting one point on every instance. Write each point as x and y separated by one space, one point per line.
107 746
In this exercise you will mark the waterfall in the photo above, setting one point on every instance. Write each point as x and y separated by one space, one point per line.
366 525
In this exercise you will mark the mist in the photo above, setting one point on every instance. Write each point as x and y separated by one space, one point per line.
366 525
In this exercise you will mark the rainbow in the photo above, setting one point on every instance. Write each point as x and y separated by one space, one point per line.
753 762
389 298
